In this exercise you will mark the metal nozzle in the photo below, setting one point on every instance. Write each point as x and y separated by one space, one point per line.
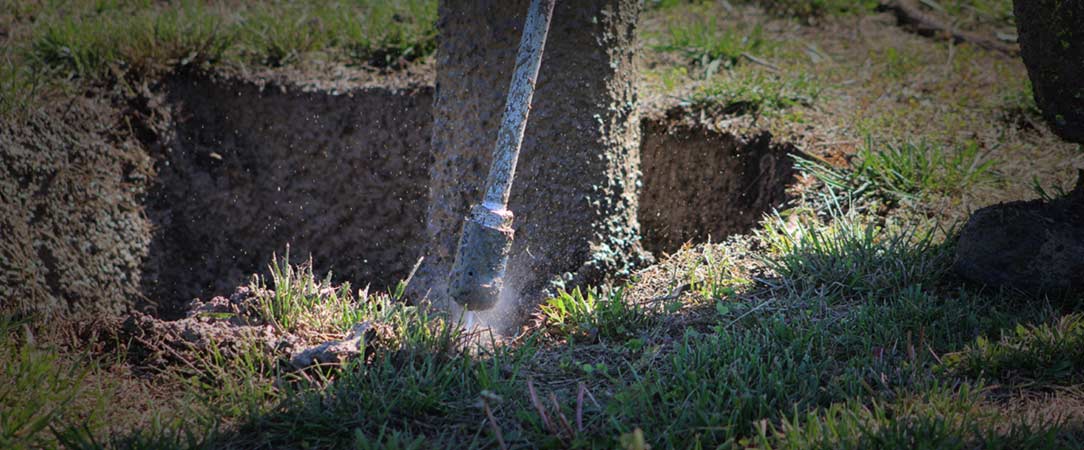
478 272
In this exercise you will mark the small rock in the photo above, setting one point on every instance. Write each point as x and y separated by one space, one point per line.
1033 246
361 338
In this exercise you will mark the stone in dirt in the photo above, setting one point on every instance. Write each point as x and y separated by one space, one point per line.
358 341
1032 246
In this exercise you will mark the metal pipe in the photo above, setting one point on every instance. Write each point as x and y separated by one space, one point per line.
477 275
518 105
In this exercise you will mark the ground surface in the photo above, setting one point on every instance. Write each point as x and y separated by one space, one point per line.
836 323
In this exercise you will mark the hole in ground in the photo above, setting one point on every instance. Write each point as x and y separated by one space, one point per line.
701 184
245 171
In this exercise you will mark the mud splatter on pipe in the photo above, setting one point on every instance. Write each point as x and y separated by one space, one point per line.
477 274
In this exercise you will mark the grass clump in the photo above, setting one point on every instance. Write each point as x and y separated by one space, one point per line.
594 315
1049 354
941 418
910 169
907 171
143 41
847 255
37 390
93 42
755 93
297 301
703 41
297 298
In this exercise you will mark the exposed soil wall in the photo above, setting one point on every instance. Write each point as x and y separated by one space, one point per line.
230 173
247 171
699 183
72 232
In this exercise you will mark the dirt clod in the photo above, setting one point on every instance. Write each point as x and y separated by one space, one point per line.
362 339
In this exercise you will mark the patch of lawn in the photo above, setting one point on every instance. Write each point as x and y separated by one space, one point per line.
755 93
703 40
941 418
848 255
424 393
37 390
90 42
910 170
1045 355
594 315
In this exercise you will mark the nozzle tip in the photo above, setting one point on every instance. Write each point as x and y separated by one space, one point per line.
477 275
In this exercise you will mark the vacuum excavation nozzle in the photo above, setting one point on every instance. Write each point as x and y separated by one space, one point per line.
477 275
478 272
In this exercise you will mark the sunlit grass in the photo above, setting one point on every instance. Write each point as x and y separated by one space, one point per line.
594 315
713 44
941 418
847 254
909 170
92 42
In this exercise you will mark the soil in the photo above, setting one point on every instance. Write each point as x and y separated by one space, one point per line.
1052 44
244 172
72 233
231 171
702 184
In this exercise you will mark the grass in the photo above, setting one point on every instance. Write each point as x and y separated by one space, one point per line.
37 392
796 370
939 419
710 279
296 297
754 93
295 300
854 336
704 41
847 255
1048 354
111 41
909 170
594 315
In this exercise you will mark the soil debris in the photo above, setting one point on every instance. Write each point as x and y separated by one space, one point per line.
362 339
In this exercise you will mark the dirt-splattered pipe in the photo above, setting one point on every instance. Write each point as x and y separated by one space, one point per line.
478 271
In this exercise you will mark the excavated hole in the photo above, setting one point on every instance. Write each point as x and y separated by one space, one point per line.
243 172
701 184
